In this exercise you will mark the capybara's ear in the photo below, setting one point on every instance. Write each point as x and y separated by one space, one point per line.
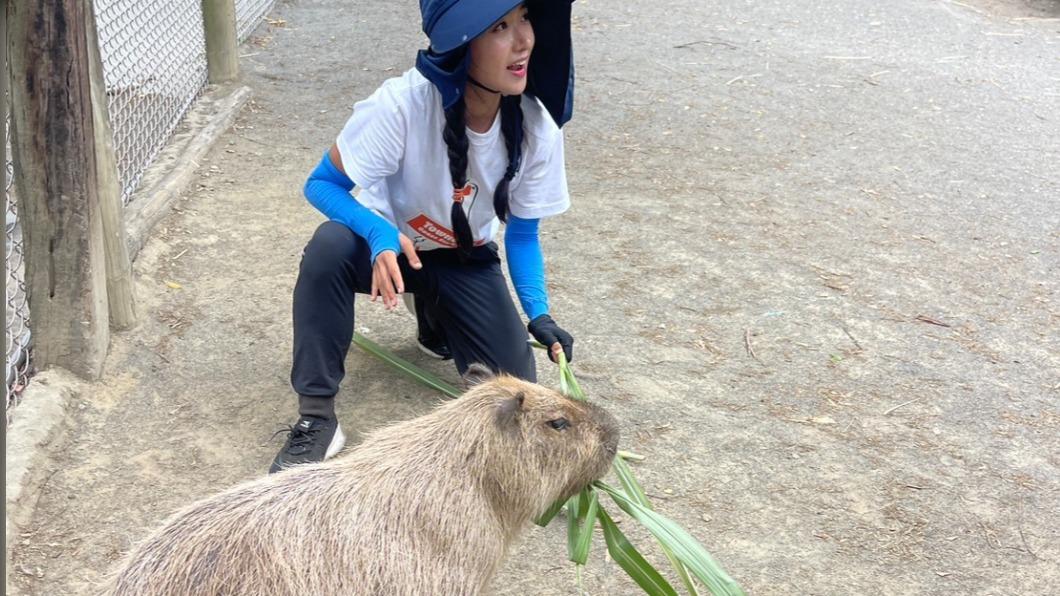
476 374
508 410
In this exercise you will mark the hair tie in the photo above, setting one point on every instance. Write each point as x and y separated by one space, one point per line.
459 194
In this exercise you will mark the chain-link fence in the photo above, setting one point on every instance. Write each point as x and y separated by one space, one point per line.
248 14
18 334
154 67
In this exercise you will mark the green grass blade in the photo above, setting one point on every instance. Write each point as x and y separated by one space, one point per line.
549 513
567 382
585 524
686 548
630 560
410 369
576 390
630 456
581 519
564 385
681 569
628 482
635 492
575 514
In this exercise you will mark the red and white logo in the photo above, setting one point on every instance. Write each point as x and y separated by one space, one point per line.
433 231
430 230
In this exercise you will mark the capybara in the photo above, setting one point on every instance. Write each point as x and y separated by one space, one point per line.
426 506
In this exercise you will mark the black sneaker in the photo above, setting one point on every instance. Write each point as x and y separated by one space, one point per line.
430 339
434 346
311 439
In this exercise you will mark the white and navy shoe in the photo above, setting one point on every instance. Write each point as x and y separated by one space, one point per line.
310 440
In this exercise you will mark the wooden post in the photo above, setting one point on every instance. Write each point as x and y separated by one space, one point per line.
3 168
8 533
53 140
222 46
120 298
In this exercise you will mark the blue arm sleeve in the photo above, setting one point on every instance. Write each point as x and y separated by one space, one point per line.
526 265
328 189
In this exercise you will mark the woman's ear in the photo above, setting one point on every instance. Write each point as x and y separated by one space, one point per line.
477 374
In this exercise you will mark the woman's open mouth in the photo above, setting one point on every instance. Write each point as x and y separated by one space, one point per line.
518 69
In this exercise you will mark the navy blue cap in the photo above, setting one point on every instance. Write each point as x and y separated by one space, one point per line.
452 23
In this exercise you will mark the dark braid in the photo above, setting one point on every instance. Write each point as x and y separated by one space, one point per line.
512 128
455 136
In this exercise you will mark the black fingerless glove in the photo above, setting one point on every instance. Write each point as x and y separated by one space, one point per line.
547 332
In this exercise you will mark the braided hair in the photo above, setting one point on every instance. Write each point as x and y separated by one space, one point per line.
455 136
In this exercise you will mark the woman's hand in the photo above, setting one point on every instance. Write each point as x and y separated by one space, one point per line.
549 334
386 274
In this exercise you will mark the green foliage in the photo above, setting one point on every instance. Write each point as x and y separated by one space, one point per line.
584 509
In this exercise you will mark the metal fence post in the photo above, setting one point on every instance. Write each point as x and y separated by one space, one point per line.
222 45
55 178
120 298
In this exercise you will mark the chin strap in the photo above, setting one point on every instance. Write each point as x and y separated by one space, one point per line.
480 85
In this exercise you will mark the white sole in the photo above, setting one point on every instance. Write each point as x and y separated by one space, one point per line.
338 441
429 353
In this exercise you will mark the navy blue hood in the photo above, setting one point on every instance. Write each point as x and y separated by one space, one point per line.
452 24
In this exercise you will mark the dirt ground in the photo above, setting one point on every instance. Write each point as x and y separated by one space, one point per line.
812 264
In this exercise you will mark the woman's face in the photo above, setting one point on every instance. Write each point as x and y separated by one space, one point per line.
500 56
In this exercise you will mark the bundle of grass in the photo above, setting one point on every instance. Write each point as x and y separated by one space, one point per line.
585 510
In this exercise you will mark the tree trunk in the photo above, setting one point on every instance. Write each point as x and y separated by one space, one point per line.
53 139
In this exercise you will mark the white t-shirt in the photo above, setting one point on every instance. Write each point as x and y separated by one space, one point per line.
392 149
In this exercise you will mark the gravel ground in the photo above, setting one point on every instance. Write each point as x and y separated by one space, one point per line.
812 264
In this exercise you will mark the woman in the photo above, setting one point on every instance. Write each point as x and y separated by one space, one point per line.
437 158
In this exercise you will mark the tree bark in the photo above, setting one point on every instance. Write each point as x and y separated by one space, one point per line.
3 104
53 140
3 163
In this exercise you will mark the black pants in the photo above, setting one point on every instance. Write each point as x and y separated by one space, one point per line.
469 301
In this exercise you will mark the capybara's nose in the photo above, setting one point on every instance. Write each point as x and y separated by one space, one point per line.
611 436
608 426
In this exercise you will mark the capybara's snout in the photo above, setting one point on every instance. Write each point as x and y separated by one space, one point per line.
607 428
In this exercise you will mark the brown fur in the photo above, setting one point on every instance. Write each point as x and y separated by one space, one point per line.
426 506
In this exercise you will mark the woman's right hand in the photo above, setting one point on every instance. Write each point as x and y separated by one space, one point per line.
386 274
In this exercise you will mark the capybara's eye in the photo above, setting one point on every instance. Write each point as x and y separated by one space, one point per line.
559 423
